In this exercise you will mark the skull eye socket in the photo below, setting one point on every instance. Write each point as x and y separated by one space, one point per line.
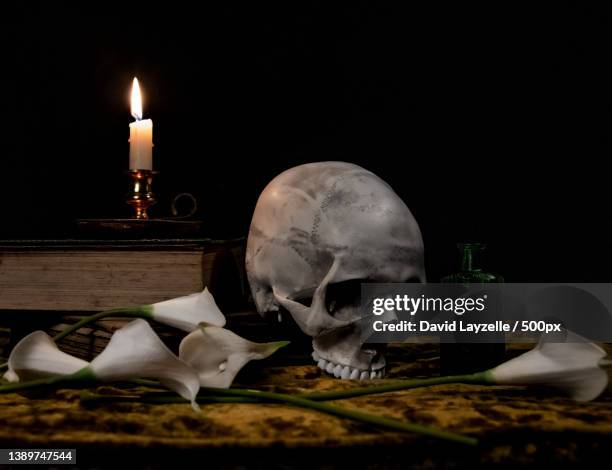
305 301
343 295
348 294
338 296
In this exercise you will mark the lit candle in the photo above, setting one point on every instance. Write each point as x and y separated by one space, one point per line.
141 134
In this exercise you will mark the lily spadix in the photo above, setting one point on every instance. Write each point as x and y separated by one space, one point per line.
36 356
217 354
572 367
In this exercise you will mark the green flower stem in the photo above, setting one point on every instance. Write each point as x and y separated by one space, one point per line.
158 398
144 311
255 396
344 413
480 378
82 377
148 383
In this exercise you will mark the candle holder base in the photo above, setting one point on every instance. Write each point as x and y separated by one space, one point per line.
140 194
128 229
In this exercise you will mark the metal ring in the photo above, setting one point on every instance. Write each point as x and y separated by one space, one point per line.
194 203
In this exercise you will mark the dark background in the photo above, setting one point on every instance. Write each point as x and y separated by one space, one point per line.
491 122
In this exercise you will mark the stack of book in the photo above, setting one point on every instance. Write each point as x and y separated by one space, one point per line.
42 281
94 275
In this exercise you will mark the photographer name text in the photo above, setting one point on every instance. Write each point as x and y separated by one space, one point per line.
498 326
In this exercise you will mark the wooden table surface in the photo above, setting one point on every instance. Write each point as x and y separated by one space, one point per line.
516 426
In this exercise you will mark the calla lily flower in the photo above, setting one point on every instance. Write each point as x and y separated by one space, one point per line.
36 356
218 354
186 313
572 367
136 351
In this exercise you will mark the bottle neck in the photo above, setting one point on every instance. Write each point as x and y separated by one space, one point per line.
467 261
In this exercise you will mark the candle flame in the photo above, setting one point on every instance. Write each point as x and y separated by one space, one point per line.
136 100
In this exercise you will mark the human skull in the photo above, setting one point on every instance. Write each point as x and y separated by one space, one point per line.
318 231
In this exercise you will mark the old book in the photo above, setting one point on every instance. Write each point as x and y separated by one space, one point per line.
94 275
89 341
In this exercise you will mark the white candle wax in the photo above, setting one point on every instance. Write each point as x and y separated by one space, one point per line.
141 134
141 145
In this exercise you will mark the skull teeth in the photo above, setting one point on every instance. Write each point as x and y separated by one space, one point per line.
347 372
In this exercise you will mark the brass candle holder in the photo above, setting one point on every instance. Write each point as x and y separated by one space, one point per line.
140 227
140 195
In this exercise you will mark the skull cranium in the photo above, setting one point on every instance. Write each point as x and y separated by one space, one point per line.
318 231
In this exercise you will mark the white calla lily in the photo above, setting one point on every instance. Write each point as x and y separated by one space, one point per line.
186 313
136 351
218 354
36 356
572 367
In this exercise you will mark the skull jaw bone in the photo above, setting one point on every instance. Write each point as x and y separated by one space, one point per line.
339 353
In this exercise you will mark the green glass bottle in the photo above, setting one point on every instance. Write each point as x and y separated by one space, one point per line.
465 357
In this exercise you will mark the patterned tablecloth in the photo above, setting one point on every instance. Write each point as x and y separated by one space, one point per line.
515 425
